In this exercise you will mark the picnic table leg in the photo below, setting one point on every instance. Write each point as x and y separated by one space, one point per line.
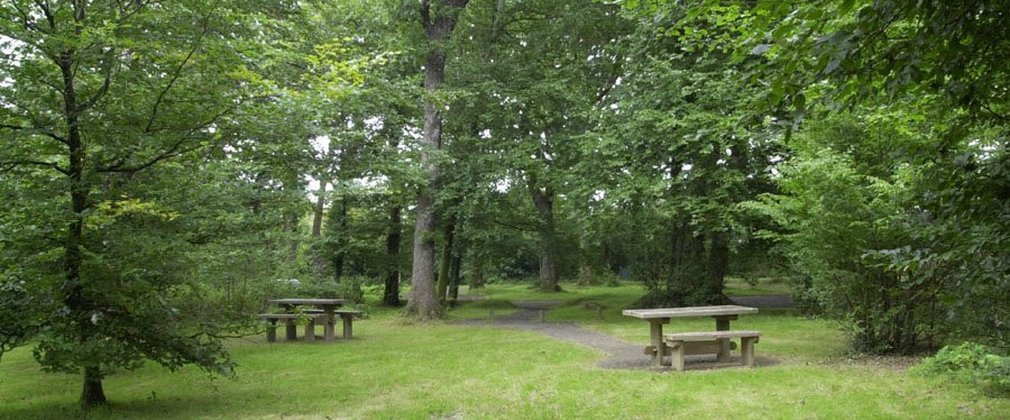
722 324
272 331
290 329
347 318
310 330
329 328
656 333
747 351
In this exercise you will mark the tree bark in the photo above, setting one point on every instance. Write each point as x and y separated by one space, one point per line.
444 266
317 211
391 294
718 260
454 269
92 393
585 268
291 228
543 200
340 224
73 259
423 303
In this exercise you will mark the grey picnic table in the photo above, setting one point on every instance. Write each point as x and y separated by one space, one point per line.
723 314
327 305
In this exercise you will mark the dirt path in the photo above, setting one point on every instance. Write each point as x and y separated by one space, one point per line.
620 354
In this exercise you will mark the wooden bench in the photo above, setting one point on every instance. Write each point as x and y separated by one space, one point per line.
290 331
679 344
693 348
346 315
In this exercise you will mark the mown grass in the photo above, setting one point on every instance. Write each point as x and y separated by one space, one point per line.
395 369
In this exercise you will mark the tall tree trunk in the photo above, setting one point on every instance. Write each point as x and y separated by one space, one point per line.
291 228
391 294
718 260
454 269
92 393
444 266
549 264
543 200
73 258
585 268
340 222
317 211
319 254
423 303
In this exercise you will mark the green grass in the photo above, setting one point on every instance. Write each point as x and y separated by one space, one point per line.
394 369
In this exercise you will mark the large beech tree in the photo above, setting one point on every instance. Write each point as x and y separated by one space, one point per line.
99 102
438 19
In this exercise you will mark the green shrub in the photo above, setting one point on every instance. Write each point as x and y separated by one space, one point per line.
971 363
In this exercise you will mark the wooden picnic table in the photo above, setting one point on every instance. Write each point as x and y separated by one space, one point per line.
723 314
329 307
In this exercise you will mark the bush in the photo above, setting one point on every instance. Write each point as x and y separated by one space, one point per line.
970 363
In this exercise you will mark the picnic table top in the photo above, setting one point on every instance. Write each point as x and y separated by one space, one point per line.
305 301
689 311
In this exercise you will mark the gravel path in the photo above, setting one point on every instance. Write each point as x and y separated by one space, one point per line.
620 354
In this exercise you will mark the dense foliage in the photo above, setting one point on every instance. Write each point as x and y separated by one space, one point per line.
166 167
972 363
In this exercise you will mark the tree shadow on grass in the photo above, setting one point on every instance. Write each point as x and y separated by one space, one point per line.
150 407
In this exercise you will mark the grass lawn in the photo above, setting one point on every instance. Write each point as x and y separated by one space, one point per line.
393 369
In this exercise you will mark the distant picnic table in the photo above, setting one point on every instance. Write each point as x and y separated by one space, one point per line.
699 342
327 312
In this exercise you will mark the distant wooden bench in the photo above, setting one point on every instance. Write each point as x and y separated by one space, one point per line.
681 344
346 315
290 331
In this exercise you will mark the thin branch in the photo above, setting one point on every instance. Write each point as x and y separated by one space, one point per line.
519 228
986 106
175 77
47 11
51 165
126 13
105 84
29 23
120 167
35 130
176 149
426 14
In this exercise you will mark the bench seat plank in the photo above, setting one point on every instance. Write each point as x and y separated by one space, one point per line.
710 335
682 344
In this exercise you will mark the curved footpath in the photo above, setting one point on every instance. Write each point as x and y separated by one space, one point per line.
620 354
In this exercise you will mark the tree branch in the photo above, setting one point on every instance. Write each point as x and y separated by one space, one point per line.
510 226
176 149
426 14
105 84
47 11
175 77
51 165
35 130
